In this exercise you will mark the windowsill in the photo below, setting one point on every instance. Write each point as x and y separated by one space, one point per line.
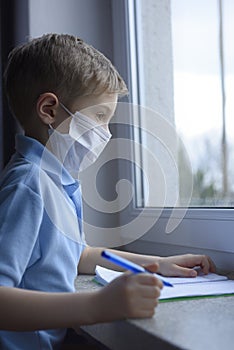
202 231
191 324
189 213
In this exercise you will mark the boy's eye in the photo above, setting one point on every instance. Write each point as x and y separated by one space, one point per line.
100 116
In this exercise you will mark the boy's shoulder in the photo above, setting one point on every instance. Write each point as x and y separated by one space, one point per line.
24 168
20 172
35 169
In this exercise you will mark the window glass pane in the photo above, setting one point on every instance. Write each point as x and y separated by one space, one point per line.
186 73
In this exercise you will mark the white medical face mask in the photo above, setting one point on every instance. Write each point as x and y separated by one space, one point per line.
82 145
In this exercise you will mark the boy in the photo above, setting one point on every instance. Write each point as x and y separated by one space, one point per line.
48 81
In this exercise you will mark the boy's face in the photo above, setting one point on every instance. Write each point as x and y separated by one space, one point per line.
99 108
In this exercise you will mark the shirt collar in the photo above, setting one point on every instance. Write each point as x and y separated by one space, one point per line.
37 153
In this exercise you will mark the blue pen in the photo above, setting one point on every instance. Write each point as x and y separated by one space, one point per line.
115 259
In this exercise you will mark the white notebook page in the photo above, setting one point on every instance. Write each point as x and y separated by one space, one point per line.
202 285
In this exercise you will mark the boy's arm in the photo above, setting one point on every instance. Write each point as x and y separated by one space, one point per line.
178 265
91 256
24 310
130 295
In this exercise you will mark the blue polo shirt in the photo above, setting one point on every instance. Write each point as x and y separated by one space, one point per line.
40 237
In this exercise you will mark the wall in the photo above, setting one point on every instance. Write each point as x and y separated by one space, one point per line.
92 21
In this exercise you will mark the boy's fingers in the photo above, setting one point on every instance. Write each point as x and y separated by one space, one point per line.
149 304
212 265
152 267
183 271
150 292
204 261
206 264
149 279
146 313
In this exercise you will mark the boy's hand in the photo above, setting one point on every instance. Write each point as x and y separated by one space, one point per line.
130 296
182 265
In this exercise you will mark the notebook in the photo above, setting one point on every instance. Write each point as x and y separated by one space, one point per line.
202 285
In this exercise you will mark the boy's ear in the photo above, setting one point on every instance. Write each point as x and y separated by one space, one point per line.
47 107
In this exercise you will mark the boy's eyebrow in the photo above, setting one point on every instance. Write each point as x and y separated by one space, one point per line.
105 106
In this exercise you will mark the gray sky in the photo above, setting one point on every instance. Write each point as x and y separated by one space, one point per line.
195 32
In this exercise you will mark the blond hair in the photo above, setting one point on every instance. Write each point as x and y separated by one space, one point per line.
58 63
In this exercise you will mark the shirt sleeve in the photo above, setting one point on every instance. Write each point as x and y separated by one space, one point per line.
21 212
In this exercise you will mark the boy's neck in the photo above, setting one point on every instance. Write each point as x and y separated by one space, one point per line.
40 135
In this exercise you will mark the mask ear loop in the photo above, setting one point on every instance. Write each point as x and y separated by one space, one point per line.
66 109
